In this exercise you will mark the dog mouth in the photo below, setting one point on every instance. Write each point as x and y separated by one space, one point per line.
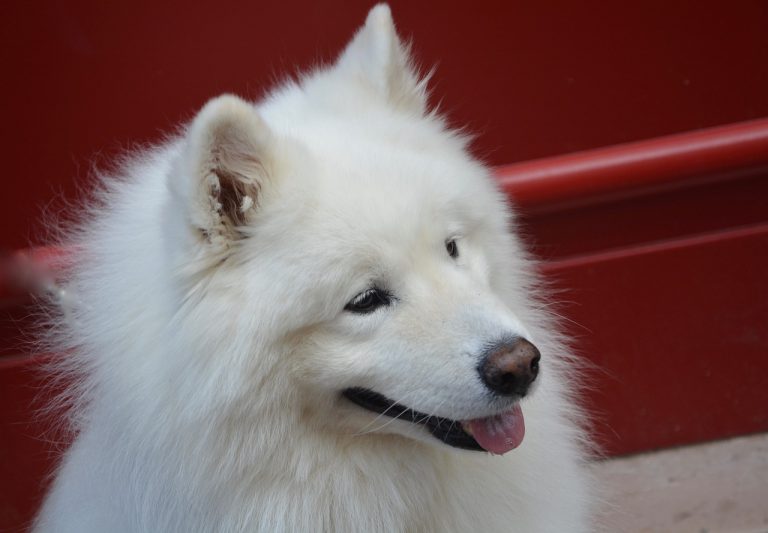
495 434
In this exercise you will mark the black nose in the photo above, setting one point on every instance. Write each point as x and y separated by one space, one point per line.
509 367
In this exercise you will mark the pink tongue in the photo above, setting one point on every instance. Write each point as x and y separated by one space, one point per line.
499 433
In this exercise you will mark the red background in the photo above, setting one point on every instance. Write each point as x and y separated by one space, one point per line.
661 260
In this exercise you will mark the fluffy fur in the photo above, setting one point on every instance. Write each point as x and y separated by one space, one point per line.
208 331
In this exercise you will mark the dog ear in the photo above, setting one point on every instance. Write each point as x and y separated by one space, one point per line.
378 58
225 165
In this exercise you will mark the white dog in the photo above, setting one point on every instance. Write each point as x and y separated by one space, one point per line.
310 314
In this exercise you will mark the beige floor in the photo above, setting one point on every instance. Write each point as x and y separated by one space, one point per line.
709 488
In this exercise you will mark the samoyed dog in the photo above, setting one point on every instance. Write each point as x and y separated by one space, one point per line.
312 313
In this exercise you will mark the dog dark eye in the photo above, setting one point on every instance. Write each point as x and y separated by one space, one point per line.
452 248
368 301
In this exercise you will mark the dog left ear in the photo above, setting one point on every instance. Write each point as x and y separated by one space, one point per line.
225 165
378 58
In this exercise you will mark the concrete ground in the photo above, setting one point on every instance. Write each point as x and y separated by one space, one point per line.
708 488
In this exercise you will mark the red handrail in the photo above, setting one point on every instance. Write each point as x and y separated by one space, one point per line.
636 168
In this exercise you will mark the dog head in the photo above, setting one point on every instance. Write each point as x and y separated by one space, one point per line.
341 240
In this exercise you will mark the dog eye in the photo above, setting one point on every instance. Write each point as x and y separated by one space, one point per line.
452 248
368 301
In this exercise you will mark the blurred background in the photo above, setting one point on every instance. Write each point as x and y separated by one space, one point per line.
660 245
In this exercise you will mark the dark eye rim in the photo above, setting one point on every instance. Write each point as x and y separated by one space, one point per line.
452 248
368 301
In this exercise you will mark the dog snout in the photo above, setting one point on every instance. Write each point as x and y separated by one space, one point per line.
509 367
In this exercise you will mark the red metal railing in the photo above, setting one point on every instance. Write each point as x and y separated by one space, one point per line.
637 168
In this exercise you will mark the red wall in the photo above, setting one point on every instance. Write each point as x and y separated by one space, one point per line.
83 79
658 251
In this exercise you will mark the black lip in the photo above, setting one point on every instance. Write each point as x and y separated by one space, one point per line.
444 429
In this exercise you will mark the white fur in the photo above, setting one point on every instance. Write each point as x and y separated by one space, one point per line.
211 341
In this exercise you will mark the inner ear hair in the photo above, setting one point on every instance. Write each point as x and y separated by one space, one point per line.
230 144
233 195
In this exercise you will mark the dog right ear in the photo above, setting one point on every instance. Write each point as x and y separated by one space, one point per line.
225 164
377 57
